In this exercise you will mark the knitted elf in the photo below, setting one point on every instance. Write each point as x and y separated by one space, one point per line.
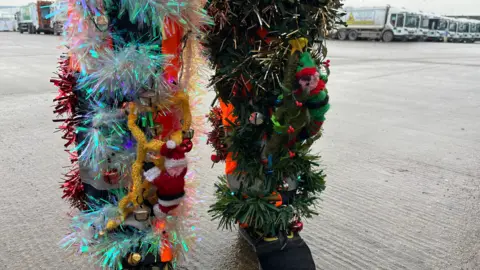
311 93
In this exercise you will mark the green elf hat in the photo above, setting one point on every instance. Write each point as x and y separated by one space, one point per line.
306 66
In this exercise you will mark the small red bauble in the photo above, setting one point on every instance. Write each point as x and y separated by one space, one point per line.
297 226
215 158
290 130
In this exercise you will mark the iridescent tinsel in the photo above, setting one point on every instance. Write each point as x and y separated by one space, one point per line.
153 13
122 74
109 248
111 72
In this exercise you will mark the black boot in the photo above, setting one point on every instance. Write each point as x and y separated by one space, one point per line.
280 252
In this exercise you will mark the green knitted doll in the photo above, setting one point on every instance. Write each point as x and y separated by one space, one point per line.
311 93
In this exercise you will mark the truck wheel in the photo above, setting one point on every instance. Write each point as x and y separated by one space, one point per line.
353 35
387 36
342 35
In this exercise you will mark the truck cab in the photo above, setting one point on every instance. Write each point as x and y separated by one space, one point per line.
424 26
405 24
438 26
27 18
468 30
452 34
476 29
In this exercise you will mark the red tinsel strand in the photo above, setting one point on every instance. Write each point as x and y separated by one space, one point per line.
66 102
73 190
217 135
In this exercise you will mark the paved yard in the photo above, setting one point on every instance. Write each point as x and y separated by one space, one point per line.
401 150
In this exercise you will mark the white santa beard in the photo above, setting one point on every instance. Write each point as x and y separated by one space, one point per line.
175 171
175 167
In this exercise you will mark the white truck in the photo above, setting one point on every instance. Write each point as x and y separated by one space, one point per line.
424 25
33 18
438 28
476 29
385 23
453 34
468 30
58 16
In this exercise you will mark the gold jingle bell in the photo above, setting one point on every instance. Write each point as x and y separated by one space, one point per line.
142 213
102 22
134 259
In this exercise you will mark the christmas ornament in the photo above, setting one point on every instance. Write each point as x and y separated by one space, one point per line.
313 94
170 183
215 158
297 226
256 118
101 22
134 259
290 130
142 213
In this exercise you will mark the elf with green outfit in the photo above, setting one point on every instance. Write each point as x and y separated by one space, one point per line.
312 94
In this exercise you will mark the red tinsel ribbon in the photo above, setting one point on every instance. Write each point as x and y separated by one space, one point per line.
65 109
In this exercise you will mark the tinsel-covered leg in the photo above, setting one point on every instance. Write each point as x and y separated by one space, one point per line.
272 178
126 90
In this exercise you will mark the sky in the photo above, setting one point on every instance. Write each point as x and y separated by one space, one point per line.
443 7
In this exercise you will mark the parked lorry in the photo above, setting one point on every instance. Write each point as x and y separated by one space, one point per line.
424 25
33 18
438 28
385 23
58 16
476 28
453 34
468 30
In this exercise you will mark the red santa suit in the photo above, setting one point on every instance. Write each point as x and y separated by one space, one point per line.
170 183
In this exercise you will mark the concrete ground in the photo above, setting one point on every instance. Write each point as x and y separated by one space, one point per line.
401 150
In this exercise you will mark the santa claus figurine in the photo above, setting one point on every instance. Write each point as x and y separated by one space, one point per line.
170 183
